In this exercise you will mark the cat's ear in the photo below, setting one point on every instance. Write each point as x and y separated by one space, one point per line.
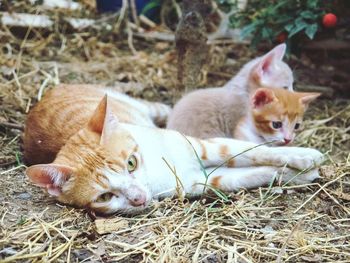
263 97
110 124
265 64
307 97
97 120
103 121
279 51
52 177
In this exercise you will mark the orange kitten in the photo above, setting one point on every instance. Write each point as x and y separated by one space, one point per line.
65 109
110 166
274 115
215 112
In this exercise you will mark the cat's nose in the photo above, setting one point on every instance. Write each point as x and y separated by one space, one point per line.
286 141
135 195
138 200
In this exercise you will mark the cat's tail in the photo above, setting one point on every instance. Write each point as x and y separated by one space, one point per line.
158 112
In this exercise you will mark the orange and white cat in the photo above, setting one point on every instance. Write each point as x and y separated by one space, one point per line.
64 110
112 166
215 112
274 115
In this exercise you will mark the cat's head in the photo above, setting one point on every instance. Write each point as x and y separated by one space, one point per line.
86 174
270 71
277 114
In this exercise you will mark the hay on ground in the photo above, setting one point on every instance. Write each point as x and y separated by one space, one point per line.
306 223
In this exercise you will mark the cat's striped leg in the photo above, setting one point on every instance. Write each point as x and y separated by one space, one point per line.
233 179
213 152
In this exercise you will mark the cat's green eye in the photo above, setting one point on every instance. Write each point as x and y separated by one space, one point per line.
297 126
132 163
276 124
104 197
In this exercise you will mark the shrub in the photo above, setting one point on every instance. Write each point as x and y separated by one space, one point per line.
273 20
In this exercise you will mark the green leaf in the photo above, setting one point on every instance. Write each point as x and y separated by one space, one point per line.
295 30
300 24
283 19
311 30
289 27
247 30
308 14
312 3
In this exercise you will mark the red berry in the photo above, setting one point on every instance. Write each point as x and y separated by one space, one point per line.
329 20
281 37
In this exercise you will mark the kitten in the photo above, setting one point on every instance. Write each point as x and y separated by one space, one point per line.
215 112
65 109
110 166
274 115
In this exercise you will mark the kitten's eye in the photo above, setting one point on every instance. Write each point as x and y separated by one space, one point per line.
104 197
276 124
132 163
285 87
297 126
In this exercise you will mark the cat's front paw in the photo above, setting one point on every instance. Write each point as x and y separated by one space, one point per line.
300 158
305 177
306 158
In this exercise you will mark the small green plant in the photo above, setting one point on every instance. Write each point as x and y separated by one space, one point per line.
153 4
279 20
18 159
21 220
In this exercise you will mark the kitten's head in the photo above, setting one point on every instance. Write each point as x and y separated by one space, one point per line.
270 71
88 173
277 113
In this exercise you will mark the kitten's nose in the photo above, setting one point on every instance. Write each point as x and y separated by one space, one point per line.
286 141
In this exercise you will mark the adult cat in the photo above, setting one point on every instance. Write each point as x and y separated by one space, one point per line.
65 109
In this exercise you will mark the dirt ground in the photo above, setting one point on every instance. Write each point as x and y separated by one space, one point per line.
308 223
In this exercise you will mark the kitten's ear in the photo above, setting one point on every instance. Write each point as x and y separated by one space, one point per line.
49 176
263 97
110 124
97 120
279 51
265 65
307 97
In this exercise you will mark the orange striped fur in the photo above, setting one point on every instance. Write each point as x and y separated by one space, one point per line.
271 108
66 109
